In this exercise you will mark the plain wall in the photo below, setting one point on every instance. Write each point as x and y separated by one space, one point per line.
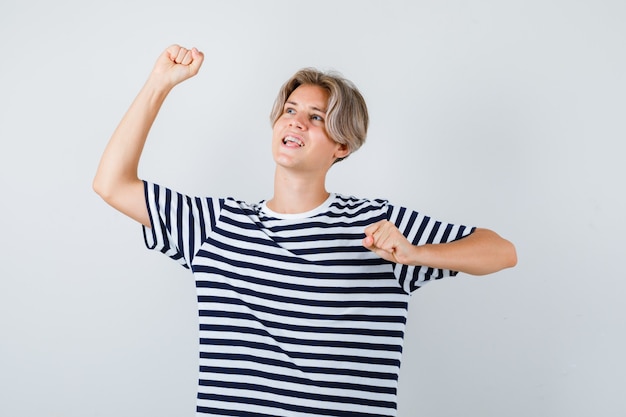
503 114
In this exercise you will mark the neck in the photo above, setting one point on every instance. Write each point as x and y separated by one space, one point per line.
296 192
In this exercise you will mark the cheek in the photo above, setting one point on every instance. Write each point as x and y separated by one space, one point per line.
276 127
325 137
278 124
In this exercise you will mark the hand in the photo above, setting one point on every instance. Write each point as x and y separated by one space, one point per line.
384 239
176 64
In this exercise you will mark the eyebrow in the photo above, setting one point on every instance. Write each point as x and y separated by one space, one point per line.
312 108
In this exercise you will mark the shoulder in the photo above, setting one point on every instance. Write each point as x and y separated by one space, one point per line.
358 206
350 201
240 206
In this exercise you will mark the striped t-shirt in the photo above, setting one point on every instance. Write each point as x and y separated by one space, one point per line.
297 318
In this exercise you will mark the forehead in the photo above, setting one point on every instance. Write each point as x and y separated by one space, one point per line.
309 95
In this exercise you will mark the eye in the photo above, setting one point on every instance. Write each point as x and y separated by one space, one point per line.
317 118
289 110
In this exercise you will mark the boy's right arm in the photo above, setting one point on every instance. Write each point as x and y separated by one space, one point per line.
116 179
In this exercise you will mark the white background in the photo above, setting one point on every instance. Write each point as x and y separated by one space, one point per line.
504 114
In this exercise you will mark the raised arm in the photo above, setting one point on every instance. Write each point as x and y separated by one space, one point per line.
482 252
116 179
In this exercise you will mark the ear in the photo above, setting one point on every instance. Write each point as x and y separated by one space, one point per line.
342 151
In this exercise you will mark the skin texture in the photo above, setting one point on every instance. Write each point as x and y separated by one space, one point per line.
302 163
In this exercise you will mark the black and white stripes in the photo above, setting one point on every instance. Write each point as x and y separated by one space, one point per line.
296 317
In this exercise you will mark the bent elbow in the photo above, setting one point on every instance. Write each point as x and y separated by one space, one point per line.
512 256
502 256
108 190
100 188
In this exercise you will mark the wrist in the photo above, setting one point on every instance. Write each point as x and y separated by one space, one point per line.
156 90
418 255
158 84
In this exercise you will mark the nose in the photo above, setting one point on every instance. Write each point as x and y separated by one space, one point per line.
296 122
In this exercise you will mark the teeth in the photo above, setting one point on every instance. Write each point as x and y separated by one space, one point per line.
293 140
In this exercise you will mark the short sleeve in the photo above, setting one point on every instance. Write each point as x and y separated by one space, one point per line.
420 229
179 223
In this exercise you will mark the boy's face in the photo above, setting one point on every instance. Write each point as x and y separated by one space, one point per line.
300 139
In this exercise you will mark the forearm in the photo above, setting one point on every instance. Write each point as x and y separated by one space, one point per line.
483 252
120 160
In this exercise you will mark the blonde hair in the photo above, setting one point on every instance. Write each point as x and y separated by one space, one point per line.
346 115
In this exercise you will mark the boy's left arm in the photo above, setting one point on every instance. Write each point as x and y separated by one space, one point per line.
480 253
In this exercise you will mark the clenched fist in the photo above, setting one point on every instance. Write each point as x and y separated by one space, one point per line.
176 64
384 239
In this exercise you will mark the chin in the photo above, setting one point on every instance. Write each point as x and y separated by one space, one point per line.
283 161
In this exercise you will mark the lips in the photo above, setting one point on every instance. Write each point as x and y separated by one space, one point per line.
293 141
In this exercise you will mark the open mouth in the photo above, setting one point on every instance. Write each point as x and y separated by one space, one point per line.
293 140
